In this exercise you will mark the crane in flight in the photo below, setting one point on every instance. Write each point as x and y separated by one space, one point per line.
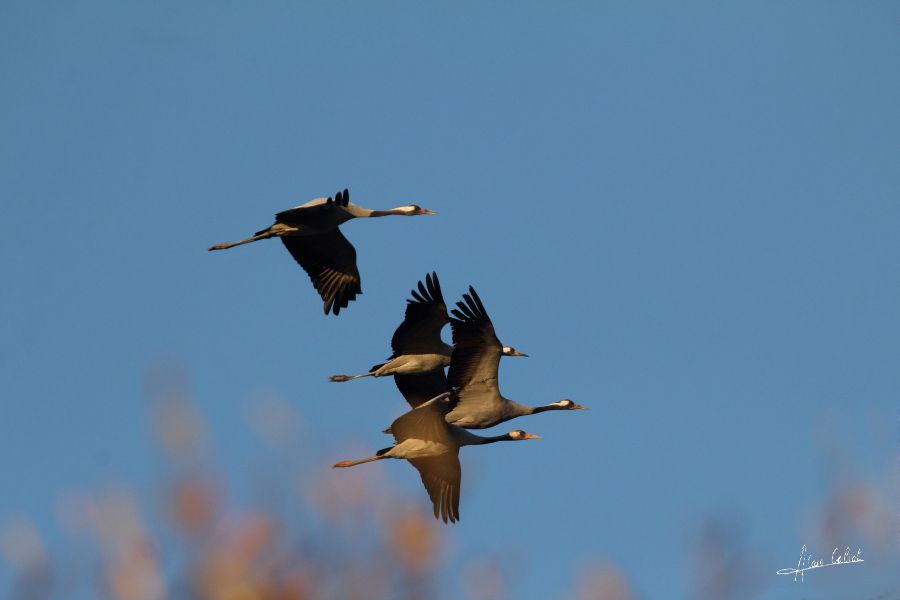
431 445
473 371
311 233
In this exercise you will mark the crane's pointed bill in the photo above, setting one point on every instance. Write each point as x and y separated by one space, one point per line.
531 436
425 211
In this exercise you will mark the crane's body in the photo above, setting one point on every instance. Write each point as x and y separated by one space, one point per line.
410 364
484 416
405 364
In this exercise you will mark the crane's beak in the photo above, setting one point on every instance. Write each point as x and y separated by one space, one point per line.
514 352
425 211
580 407
531 436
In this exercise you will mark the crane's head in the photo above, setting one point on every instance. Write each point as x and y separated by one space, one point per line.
411 210
568 405
510 351
518 434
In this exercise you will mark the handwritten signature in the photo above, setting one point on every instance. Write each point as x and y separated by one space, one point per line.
807 563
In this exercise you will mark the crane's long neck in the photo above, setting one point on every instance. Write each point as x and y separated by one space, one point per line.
539 409
490 440
520 410
367 212
467 438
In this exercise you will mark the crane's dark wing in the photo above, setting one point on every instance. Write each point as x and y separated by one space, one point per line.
419 388
476 349
426 315
313 211
441 473
442 476
330 261
425 422
475 360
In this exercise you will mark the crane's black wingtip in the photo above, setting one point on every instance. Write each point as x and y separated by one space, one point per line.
476 297
427 291
434 285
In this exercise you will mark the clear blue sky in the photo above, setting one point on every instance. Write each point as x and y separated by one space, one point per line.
687 215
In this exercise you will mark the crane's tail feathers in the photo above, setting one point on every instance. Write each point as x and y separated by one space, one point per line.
337 378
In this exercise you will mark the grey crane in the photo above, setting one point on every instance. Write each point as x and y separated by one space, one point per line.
431 445
310 233
420 354
473 371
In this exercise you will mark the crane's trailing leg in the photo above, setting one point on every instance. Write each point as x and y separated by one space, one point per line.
276 230
376 371
349 377
352 463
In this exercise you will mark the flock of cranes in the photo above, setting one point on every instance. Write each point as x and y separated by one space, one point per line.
444 406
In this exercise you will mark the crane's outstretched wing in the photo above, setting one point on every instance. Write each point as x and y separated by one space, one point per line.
419 388
426 422
440 473
476 349
426 315
476 358
313 211
330 261
441 476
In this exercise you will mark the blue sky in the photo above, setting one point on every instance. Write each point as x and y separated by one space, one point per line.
687 215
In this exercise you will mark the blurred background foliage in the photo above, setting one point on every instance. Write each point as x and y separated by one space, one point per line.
300 530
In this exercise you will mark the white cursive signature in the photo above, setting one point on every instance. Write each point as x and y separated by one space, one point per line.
807 563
